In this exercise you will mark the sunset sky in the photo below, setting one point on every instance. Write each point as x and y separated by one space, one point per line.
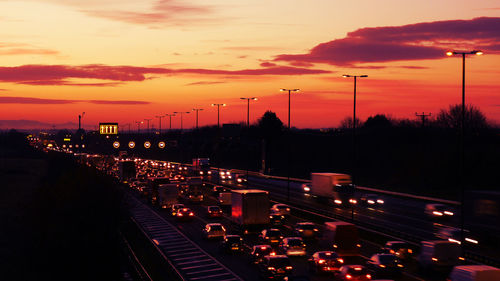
128 60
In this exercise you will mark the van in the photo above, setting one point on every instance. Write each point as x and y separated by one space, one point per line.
439 255
474 273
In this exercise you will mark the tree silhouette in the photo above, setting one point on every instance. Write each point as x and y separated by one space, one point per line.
270 125
452 118
378 121
346 123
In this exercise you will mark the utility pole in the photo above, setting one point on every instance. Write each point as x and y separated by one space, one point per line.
423 116
80 121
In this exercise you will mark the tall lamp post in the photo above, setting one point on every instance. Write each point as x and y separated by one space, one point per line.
462 140
289 145
182 113
147 120
218 112
354 134
170 121
197 109
248 108
159 119
139 126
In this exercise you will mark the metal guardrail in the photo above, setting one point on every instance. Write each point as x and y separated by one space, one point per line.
188 260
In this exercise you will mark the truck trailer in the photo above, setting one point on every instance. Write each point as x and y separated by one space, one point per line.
250 209
341 237
167 195
335 187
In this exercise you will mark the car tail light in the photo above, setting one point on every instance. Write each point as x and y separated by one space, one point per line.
461 258
368 276
434 259
179 214
348 276
400 265
288 268
340 260
380 201
338 202
381 265
191 214
436 213
271 268
358 245
272 254
321 261
448 213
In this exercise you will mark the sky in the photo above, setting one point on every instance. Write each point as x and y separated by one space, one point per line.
129 60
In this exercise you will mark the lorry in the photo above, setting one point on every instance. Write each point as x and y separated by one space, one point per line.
341 237
192 190
201 167
474 273
438 256
126 170
167 195
151 190
334 187
250 209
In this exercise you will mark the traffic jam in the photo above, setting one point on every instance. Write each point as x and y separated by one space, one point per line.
272 240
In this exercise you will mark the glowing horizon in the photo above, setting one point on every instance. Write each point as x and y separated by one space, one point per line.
126 61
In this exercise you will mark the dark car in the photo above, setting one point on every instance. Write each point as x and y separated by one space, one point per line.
175 208
293 246
214 211
276 219
306 230
325 261
353 273
184 214
260 251
233 243
272 236
385 265
401 249
275 267
218 189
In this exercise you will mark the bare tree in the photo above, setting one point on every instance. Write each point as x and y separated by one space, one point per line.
346 123
452 118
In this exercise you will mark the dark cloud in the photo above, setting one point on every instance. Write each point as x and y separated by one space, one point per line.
408 42
200 83
59 74
267 64
27 100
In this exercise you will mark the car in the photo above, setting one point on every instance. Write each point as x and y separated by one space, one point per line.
214 211
371 200
233 243
454 234
260 251
184 214
275 267
385 265
175 208
272 236
293 246
306 230
217 189
240 178
325 261
353 273
280 209
438 211
401 249
276 219
214 230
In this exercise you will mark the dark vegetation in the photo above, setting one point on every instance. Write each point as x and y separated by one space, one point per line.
399 155
59 221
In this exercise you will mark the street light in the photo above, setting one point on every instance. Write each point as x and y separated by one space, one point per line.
197 109
147 120
462 136
289 92
289 127
218 112
248 108
182 113
170 121
354 133
159 118
139 126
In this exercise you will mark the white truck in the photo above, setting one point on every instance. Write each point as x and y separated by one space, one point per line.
335 187
250 209
168 195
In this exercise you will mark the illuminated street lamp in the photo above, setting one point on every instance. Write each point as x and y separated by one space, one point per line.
197 109
354 133
139 126
248 109
218 112
462 136
182 113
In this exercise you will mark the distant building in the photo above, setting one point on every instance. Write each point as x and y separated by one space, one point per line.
108 128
